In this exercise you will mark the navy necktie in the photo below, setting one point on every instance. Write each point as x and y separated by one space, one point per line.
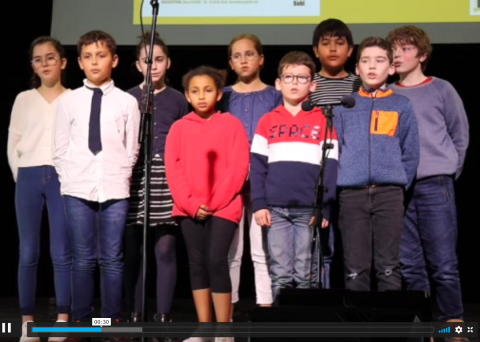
94 139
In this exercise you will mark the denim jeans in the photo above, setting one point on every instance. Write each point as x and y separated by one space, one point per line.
327 245
37 186
289 241
96 234
429 244
371 223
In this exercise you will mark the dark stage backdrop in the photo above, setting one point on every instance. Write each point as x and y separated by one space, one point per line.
456 63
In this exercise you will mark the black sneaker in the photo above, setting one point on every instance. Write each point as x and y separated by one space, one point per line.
135 317
163 318
115 339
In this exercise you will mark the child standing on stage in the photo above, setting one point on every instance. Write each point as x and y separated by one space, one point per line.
30 155
379 153
96 142
286 155
249 99
333 46
207 158
430 227
169 106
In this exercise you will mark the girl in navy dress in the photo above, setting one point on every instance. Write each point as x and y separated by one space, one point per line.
169 106
249 99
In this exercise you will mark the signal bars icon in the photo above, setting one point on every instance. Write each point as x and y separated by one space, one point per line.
444 330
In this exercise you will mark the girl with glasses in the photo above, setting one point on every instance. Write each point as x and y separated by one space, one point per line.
249 99
30 152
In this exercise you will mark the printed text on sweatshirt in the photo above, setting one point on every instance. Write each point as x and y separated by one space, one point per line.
206 163
285 160
379 141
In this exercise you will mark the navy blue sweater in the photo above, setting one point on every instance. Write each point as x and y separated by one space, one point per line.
285 160
379 142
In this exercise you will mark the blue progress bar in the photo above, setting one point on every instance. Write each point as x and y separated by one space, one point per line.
77 330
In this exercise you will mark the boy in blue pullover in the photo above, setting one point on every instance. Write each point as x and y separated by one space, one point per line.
429 241
379 154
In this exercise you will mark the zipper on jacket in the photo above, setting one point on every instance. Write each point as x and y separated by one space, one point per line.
376 121
370 140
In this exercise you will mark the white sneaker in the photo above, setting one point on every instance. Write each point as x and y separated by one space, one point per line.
57 339
25 338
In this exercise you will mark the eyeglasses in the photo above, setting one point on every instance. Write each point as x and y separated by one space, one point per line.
49 60
249 56
301 79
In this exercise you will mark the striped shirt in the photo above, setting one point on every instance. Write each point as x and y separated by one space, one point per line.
330 90
285 160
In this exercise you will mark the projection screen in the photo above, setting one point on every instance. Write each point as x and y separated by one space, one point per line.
276 22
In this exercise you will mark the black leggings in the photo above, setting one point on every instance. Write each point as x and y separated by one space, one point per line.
164 240
208 243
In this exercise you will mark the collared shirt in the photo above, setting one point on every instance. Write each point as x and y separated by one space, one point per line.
106 175
31 131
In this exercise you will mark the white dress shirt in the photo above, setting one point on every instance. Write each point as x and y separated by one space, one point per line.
31 131
106 175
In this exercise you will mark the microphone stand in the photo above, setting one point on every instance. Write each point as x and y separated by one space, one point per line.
319 195
145 138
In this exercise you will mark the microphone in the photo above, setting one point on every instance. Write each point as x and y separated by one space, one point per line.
346 101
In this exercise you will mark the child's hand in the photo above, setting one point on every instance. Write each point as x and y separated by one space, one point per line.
263 218
203 213
325 222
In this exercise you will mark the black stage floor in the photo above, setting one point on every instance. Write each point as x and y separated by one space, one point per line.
183 311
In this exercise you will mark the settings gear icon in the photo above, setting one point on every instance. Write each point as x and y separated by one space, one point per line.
458 330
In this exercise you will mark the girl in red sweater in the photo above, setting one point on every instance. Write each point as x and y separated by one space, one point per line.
207 161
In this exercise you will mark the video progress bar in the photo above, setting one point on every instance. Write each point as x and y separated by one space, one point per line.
257 330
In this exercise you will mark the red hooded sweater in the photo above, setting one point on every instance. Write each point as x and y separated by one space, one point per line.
207 162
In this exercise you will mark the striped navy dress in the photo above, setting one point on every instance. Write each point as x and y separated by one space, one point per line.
169 106
330 90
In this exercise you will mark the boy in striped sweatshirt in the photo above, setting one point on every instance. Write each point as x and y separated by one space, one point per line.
285 164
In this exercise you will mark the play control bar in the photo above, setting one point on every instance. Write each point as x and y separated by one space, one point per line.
256 329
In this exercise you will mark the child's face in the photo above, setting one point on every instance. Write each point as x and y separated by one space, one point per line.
406 59
374 67
295 83
333 52
245 60
97 62
160 63
203 94
47 64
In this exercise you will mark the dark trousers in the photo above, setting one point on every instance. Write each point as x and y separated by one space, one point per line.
161 240
429 244
208 243
96 235
371 224
36 187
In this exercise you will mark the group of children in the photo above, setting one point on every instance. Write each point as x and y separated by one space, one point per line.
247 155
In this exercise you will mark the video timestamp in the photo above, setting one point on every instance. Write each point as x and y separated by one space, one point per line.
101 322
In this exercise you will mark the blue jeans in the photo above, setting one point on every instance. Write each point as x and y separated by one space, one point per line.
37 186
429 244
96 233
289 241
327 245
